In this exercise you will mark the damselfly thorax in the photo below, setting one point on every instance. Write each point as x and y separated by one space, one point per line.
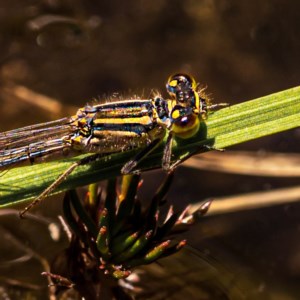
119 126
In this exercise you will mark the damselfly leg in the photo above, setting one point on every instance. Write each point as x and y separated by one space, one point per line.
131 165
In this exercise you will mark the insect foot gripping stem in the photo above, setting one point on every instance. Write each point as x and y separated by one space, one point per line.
130 165
208 147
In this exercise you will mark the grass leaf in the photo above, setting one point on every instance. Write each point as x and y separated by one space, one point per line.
226 127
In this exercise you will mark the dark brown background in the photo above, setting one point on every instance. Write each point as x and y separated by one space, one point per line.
73 51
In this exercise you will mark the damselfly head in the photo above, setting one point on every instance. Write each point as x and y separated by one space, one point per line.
180 85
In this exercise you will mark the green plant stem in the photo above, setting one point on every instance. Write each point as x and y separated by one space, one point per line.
226 127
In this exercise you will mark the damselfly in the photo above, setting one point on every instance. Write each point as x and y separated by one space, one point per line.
110 128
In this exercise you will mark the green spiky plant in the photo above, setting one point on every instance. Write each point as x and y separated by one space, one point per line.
112 235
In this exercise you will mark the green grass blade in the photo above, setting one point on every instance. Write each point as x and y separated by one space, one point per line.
224 128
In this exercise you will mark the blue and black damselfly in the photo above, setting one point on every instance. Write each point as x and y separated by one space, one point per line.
108 128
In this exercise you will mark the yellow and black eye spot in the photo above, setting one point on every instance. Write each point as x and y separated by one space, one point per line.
180 83
175 114
183 90
185 123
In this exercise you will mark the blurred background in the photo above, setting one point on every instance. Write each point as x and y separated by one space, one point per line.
57 55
